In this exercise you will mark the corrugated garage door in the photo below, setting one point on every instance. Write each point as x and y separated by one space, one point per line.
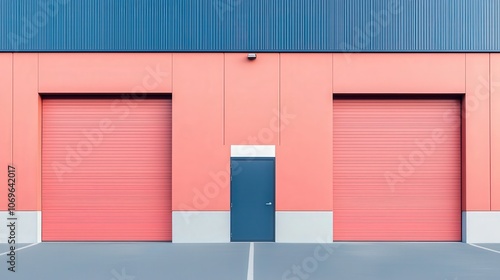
106 170
396 172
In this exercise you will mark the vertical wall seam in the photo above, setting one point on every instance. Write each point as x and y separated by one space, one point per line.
40 197
463 143
223 98
172 75
12 112
279 99
332 78
172 139
39 134
38 73
465 77
172 95
331 133
489 131
462 164
465 73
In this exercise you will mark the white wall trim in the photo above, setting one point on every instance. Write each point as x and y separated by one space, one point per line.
481 226
304 226
28 226
253 151
39 232
201 227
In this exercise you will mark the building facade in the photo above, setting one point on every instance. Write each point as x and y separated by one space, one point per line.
290 121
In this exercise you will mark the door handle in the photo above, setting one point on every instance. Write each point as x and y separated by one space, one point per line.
269 203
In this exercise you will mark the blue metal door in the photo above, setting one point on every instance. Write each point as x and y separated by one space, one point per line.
252 199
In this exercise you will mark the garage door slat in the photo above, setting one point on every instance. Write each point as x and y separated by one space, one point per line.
106 184
387 186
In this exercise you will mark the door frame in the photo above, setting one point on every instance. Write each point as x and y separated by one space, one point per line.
249 153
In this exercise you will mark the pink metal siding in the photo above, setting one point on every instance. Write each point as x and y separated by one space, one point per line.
68 73
106 170
200 161
5 121
477 178
495 130
396 170
26 134
303 168
251 99
409 73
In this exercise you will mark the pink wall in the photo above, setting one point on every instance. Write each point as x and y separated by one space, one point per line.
495 131
433 74
200 160
27 131
95 73
304 158
5 122
251 95
476 113
105 72
398 73
224 99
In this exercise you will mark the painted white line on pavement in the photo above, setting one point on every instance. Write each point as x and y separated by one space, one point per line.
488 249
250 262
31 245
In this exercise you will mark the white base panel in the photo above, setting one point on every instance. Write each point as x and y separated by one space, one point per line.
201 227
304 226
28 226
481 226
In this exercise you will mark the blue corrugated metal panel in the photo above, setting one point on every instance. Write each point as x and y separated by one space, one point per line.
480 22
434 25
257 25
494 23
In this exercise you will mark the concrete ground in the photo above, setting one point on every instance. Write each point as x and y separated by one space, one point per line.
259 261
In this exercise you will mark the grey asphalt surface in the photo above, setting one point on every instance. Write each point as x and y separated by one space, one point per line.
129 261
495 246
385 261
349 261
4 247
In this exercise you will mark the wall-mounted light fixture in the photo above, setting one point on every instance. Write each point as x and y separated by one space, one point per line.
252 56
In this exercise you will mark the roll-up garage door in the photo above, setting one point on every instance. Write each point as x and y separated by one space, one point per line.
396 172
106 170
